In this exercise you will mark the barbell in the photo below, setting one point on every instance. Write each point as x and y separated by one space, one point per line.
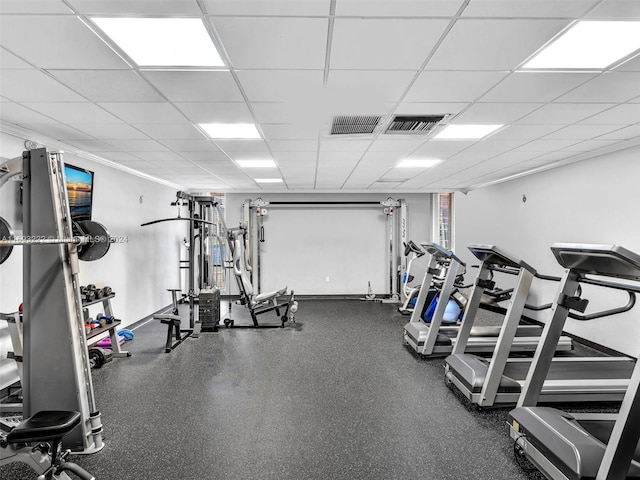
92 239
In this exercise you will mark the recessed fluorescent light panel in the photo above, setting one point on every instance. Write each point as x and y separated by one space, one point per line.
589 44
163 42
268 180
230 130
418 163
465 132
256 163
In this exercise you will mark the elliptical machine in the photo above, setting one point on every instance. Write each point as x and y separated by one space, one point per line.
410 293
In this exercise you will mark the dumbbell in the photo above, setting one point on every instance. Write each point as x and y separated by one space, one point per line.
106 291
107 319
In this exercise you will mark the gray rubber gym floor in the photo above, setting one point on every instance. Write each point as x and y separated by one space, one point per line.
335 396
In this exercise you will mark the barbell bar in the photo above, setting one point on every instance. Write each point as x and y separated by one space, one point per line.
92 238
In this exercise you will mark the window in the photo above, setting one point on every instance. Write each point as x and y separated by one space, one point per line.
443 219
219 241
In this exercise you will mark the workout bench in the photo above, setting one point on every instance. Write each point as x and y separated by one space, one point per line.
173 322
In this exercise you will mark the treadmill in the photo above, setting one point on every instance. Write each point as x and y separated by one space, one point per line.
436 339
500 379
581 446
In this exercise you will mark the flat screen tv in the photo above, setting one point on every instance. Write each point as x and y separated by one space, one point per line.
80 192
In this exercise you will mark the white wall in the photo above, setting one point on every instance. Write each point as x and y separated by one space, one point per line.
592 201
306 244
139 269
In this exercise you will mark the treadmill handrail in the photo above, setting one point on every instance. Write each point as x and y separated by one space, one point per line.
606 313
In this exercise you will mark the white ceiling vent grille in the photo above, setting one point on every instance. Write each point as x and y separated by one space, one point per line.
413 124
354 124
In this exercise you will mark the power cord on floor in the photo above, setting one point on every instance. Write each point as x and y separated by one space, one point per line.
520 456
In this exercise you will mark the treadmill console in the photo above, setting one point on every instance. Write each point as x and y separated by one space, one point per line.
496 256
595 259
440 252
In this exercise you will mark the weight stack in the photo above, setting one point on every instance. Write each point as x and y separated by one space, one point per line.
209 309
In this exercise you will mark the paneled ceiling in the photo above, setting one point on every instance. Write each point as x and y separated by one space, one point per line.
292 65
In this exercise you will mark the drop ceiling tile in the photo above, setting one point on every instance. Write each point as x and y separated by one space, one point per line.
372 167
286 112
398 8
614 87
216 112
403 146
430 108
358 43
590 145
623 133
34 6
57 42
273 42
545 145
9 61
180 131
94 146
16 113
527 8
525 132
111 131
281 85
136 7
164 158
442 149
632 65
190 145
272 7
472 44
76 112
535 86
564 113
459 86
195 86
201 157
108 85
124 158
615 9
138 145
367 89
57 131
619 115
333 170
495 113
35 86
292 158
273 131
256 146
343 145
581 132
145 112
293 146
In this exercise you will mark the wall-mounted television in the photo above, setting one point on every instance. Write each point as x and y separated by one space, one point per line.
80 192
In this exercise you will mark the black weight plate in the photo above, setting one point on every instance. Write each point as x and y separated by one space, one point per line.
5 234
100 241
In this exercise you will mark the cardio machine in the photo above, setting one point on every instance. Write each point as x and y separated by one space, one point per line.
500 379
580 446
438 340
410 293
37 442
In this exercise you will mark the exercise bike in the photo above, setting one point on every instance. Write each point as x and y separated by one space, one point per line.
410 293
37 442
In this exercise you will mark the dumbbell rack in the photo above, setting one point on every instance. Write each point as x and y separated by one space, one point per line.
111 327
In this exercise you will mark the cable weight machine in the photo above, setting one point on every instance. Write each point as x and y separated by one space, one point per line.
254 211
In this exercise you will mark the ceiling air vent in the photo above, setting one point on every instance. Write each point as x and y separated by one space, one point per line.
413 124
354 124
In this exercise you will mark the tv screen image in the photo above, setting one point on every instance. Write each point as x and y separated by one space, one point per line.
79 191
